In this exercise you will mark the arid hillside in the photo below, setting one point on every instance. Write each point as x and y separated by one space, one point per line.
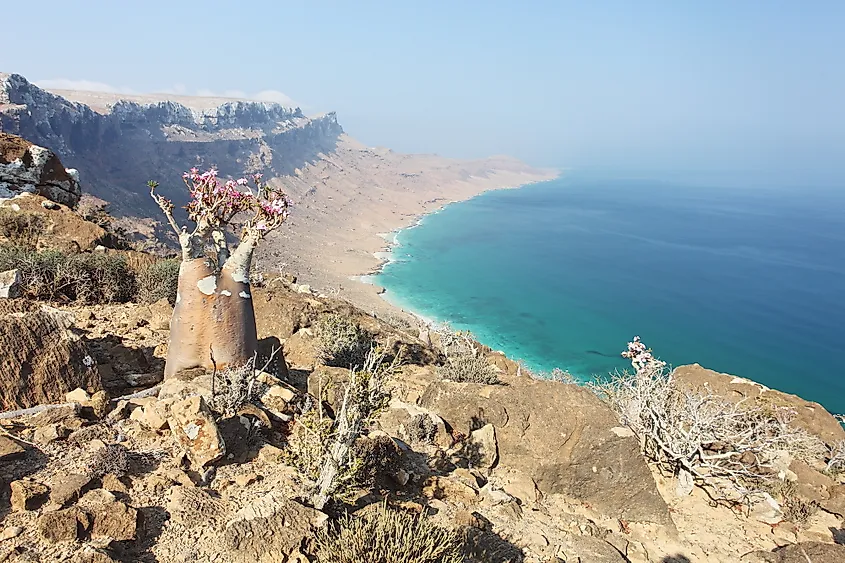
343 192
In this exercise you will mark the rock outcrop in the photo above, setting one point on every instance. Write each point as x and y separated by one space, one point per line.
162 138
43 358
561 436
29 168
810 416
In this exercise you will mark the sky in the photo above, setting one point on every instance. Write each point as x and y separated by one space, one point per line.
674 85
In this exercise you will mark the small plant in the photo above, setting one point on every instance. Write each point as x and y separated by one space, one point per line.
468 369
422 429
87 277
323 449
159 280
114 459
836 462
342 343
798 510
21 229
232 388
385 535
728 447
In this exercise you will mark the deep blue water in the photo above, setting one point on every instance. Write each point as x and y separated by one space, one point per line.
562 274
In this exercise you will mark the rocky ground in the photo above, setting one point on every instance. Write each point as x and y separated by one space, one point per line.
554 476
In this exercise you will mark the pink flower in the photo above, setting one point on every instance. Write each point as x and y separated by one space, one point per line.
242 181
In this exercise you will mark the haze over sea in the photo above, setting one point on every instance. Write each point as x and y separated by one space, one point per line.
747 281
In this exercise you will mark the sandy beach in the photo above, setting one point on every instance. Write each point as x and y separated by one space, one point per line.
349 205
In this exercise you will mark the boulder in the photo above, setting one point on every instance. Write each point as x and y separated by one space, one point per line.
68 488
810 416
43 359
9 449
115 520
28 168
560 436
816 552
482 447
194 427
27 495
63 525
10 284
270 528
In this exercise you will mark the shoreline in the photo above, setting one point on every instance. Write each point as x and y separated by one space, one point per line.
385 254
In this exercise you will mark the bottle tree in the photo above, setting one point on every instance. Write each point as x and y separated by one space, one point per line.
213 323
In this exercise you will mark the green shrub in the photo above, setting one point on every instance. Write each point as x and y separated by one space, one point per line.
159 280
342 343
21 229
468 369
52 274
388 536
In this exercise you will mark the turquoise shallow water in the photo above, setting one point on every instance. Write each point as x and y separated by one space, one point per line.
562 274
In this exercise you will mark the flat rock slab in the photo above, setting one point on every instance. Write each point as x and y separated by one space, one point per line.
560 436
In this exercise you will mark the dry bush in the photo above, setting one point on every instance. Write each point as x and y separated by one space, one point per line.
836 461
798 510
159 280
342 343
715 441
21 229
422 429
558 375
378 457
114 459
88 277
464 361
468 369
233 388
322 448
388 536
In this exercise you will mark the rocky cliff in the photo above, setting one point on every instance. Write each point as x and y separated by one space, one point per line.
128 143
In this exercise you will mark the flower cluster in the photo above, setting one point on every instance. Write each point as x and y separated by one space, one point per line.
215 203
641 357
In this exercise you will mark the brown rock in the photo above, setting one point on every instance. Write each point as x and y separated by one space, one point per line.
810 416
27 495
194 427
50 433
42 358
63 525
115 520
270 528
100 404
112 483
560 436
816 552
68 488
482 448
9 449
89 554
836 501
437 487
192 506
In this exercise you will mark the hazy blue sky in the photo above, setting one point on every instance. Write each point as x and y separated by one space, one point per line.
633 84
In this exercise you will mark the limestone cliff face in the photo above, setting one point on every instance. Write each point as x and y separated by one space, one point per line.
119 149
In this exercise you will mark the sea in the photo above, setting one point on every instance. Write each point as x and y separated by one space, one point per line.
746 280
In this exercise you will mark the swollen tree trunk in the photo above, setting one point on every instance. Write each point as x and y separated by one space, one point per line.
213 323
